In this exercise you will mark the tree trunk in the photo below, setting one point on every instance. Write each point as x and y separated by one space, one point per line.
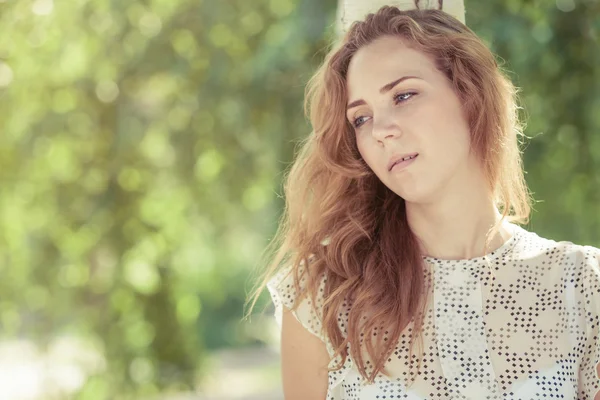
349 11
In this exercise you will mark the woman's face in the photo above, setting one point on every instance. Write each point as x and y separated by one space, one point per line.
419 114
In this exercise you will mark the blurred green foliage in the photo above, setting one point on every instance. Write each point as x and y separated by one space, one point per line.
554 50
143 143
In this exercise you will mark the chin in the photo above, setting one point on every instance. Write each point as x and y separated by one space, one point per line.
413 195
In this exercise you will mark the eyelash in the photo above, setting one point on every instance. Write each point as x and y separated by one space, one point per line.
395 101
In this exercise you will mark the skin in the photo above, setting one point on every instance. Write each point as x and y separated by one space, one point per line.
449 206
304 361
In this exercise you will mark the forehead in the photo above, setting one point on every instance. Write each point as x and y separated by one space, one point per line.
384 60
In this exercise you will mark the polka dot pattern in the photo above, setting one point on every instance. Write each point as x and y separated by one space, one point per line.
529 331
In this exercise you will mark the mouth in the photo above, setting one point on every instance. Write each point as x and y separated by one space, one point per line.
403 162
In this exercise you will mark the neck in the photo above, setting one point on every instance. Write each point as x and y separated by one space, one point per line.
457 228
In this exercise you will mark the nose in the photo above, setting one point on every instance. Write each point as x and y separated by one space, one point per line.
385 128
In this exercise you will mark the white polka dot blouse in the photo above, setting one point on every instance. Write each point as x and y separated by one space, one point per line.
532 333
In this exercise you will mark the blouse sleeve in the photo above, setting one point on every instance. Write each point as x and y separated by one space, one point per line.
283 293
589 376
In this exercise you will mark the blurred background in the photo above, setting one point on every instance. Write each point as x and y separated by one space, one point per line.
142 146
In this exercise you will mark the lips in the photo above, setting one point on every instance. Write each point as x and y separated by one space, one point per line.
398 158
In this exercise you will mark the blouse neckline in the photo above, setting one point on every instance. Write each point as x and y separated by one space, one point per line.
500 251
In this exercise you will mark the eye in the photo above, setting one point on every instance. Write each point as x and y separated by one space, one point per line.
399 98
356 123
401 95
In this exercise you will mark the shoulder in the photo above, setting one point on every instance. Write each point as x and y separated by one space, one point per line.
535 247
561 264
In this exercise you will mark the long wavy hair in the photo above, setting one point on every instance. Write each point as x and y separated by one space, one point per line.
341 222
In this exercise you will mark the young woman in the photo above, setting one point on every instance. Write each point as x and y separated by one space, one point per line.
401 224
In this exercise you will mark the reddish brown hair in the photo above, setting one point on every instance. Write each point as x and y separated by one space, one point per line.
351 227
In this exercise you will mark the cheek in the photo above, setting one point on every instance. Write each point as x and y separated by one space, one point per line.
447 135
370 153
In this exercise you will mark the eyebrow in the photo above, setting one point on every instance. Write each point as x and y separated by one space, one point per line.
384 89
